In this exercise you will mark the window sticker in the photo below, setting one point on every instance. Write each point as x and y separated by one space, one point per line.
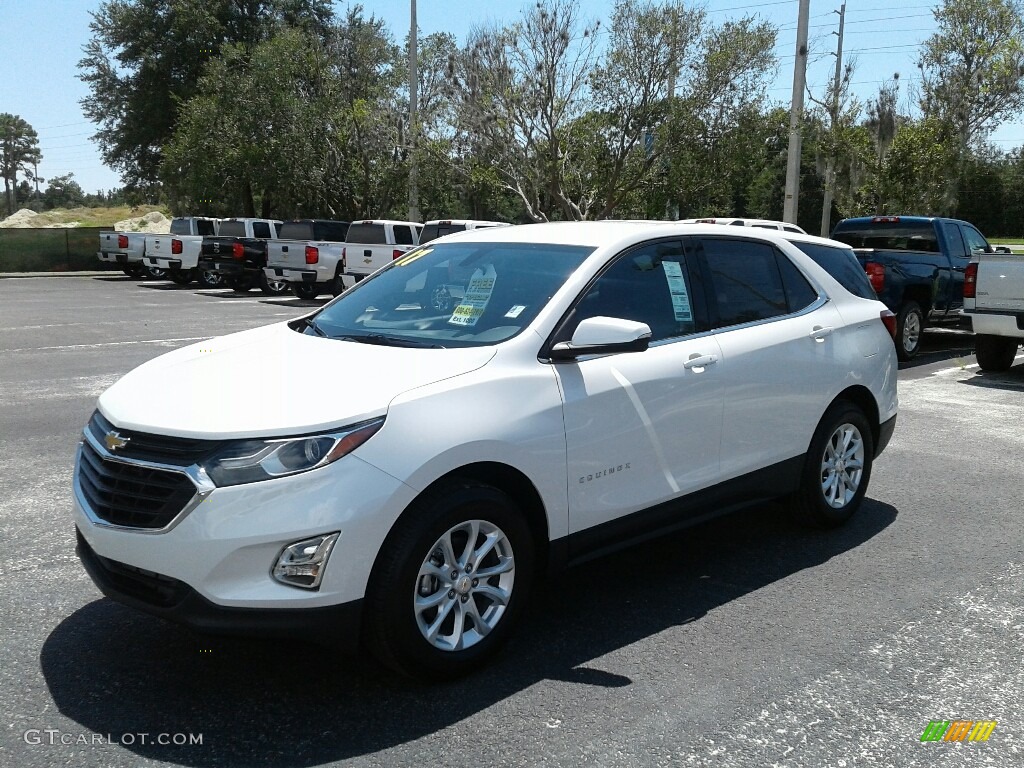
478 293
515 311
677 288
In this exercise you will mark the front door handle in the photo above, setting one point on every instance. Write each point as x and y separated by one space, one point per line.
818 333
699 362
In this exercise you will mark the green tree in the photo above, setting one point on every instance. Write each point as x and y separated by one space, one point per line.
19 151
63 192
145 57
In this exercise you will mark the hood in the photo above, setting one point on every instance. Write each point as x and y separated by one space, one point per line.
274 381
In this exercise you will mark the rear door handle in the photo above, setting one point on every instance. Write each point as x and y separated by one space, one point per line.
697 361
818 333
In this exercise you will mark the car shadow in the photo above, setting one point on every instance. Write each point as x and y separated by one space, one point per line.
116 671
1011 379
943 344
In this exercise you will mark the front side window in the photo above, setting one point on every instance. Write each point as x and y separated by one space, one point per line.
744 281
650 284
451 295
975 242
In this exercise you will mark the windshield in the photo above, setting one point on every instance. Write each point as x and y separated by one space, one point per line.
451 295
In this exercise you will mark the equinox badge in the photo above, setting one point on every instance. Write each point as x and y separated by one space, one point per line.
114 441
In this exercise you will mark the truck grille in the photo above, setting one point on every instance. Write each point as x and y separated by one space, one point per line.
132 495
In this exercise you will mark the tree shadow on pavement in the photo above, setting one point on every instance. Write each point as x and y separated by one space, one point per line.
116 671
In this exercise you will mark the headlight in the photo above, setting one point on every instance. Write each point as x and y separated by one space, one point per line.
249 461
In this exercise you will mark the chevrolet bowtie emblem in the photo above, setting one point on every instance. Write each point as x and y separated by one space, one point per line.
114 441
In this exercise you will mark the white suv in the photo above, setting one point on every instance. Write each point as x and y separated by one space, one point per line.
591 384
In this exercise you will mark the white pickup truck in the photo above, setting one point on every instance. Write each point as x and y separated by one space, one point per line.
994 300
178 252
309 256
126 249
441 227
373 243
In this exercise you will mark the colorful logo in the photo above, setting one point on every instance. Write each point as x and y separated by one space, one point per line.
958 730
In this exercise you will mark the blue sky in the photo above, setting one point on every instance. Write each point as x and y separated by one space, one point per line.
42 42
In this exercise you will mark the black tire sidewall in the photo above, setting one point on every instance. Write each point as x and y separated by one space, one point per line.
305 291
393 633
818 511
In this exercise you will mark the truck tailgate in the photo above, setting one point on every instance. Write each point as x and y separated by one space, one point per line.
1001 282
286 253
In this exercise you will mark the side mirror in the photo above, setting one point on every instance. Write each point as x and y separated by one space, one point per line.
603 336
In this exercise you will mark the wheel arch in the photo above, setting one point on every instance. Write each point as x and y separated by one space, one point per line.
862 397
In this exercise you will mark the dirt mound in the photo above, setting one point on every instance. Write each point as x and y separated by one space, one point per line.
21 219
154 223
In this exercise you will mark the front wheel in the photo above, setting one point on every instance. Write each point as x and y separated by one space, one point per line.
837 469
995 353
449 582
909 324
272 286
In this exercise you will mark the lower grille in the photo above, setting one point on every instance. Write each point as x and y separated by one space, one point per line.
147 586
131 495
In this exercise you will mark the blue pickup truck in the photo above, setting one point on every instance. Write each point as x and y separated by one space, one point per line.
916 265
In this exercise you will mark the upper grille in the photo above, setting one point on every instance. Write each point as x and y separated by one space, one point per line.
180 451
131 495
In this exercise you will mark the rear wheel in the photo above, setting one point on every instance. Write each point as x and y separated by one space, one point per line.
209 278
995 353
837 469
450 582
909 325
154 273
132 270
306 290
272 286
181 276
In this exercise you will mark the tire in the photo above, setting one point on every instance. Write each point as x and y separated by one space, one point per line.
134 270
154 273
829 495
208 278
306 291
272 287
239 284
419 619
909 325
180 276
995 353
337 285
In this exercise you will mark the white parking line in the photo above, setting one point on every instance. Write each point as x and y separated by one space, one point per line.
106 344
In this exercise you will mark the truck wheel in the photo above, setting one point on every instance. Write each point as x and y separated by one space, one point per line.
180 276
133 270
995 353
837 469
449 582
909 324
209 278
306 291
154 273
272 287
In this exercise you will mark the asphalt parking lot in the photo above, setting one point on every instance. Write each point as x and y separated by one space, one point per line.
747 641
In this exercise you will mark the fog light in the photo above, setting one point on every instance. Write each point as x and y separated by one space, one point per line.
302 564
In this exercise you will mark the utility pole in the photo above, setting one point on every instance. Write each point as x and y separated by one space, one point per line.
796 112
830 162
414 121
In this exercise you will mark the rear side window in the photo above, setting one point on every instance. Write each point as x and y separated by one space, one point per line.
745 281
261 229
403 235
842 264
954 240
434 231
232 229
297 230
367 234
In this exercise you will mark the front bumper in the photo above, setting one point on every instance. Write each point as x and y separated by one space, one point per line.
175 601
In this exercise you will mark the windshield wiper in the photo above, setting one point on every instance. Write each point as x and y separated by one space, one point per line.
387 341
309 322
